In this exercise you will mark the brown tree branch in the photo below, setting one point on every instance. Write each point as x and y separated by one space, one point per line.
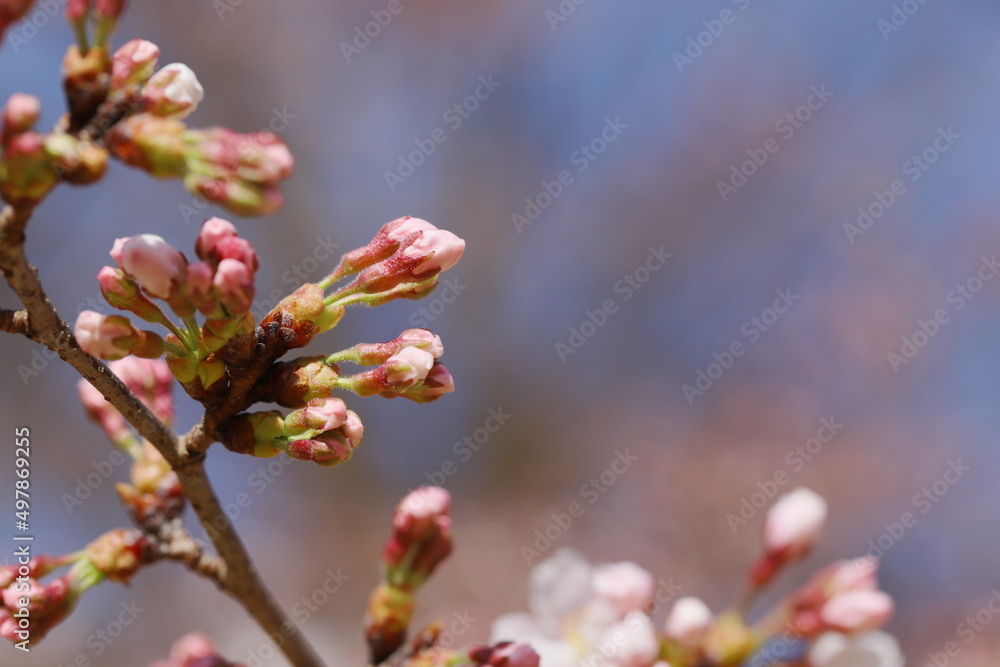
235 571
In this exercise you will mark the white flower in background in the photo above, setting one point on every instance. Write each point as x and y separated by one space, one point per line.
871 649
688 621
579 612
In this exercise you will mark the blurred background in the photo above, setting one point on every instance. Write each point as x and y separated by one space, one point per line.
687 249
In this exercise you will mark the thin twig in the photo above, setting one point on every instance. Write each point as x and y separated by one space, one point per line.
236 572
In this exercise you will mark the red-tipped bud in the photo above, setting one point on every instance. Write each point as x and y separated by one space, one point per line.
19 114
118 554
234 284
437 383
132 65
420 257
194 650
793 523
321 414
368 354
386 242
122 292
421 537
212 233
857 611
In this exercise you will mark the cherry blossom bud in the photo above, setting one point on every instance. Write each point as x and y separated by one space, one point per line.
421 537
122 292
239 171
857 611
625 586
253 434
118 554
688 621
113 337
199 288
505 654
26 173
19 114
151 143
174 91
11 12
292 384
155 264
326 449
106 15
47 606
368 354
132 65
386 242
234 284
212 232
437 383
75 161
420 257
408 366
793 523
103 413
77 10
321 414
194 650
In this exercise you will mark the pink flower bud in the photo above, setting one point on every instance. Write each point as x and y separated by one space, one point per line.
327 450
625 586
19 115
438 250
151 143
437 383
155 264
199 287
174 92
794 522
104 336
421 537
857 611
378 353
133 64
213 231
871 649
408 366
505 654
688 621
385 242
77 9
234 283
635 641
194 650
321 414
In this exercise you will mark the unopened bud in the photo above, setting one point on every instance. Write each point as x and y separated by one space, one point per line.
174 91
132 65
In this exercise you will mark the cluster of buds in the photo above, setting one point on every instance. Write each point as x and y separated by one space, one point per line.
31 608
194 650
154 494
420 541
324 432
239 171
32 163
220 287
581 614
